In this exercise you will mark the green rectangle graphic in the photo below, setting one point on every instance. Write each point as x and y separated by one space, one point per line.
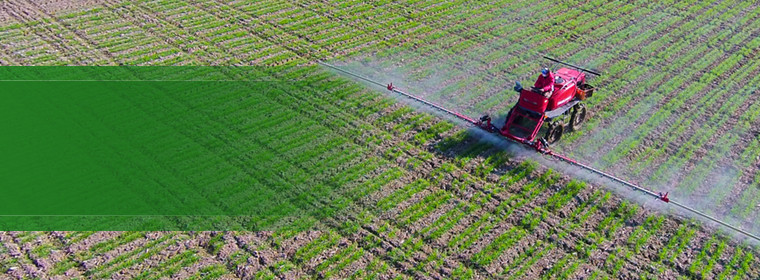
160 148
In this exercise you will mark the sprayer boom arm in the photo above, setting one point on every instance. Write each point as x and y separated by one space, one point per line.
574 66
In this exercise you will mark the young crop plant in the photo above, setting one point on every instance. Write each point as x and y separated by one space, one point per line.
337 262
214 271
614 262
402 194
473 151
559 199
447 222
216 243
492 162
170 267
706 258
462 272
423 207
412 123
560 267
498 246
676 244
535 256
109 245
134 257
739 266
532 219
432 132
318 245
487 222
61 267
641 235
374 270
614 221
450 142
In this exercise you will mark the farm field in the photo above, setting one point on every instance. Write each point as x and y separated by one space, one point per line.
389 192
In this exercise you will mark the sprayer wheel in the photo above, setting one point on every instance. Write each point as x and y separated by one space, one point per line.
554 131
578 117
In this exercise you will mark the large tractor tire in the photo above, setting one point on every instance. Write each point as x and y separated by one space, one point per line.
578 116
554 131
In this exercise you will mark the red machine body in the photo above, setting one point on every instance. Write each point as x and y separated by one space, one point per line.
526 118
566 83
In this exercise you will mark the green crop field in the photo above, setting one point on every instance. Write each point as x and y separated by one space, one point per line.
268 166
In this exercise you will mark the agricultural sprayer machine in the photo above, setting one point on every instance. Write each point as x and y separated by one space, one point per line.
540 117
560 109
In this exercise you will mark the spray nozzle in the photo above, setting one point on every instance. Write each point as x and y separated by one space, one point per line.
664 197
